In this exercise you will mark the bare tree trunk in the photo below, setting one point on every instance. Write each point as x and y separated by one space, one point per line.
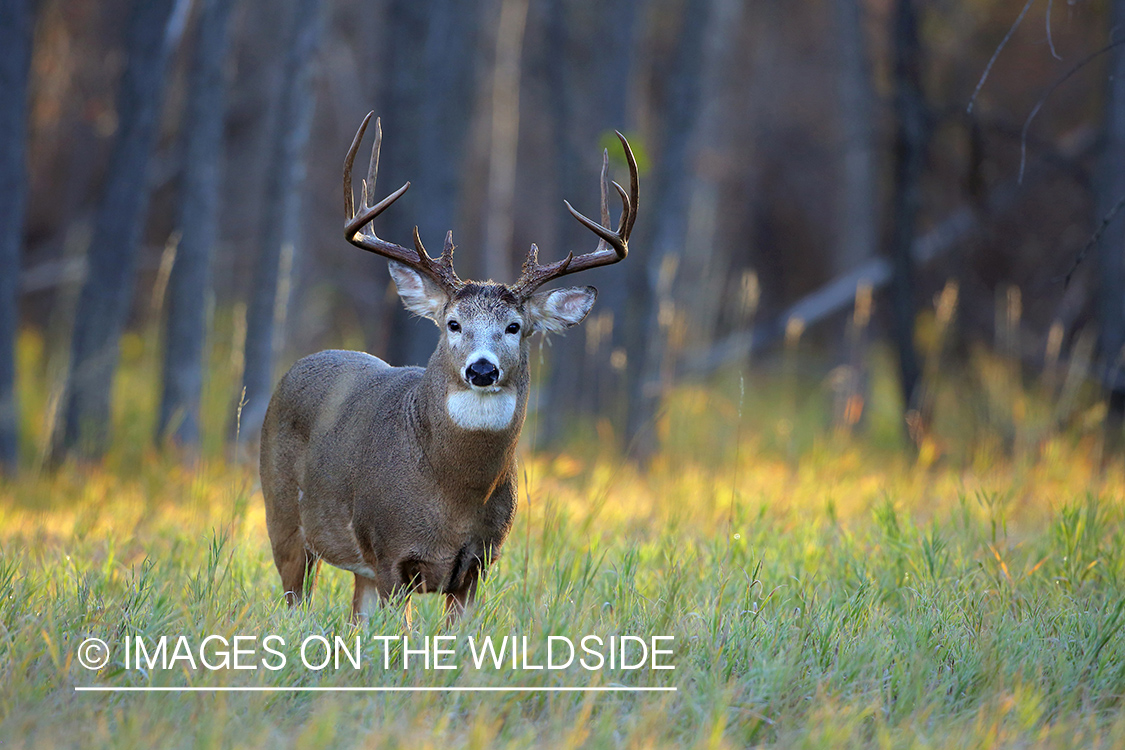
1111 250
190 281
16 28
588 64
911 135
112 256
650 291
430 62
448 87
857 201
858 216
703 273
504 140
402 115
566 394
281 216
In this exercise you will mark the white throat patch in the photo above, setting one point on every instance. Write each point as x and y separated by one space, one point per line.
481 410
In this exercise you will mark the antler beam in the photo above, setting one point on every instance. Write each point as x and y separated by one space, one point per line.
612 246
440 270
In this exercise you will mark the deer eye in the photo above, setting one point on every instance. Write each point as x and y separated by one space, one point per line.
454 326
512 328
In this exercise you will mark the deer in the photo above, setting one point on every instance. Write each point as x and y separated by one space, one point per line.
406 476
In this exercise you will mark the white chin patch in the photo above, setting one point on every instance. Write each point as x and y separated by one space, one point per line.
481 410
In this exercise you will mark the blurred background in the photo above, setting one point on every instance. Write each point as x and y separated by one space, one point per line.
884 215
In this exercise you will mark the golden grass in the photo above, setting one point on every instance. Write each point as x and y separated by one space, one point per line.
823 591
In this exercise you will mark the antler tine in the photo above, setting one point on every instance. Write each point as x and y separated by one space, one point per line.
356 221
634 184
349 160
604 184
624 214
373 164
534 275
449 246
441 270
612 246
446 259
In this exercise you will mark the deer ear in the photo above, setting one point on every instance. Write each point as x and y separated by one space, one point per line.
421 296
558 309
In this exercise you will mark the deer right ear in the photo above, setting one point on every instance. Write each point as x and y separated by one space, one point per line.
421 296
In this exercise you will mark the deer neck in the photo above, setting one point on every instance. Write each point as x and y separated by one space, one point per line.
467 435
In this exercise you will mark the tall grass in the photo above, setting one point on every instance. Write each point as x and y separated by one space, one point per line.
822 591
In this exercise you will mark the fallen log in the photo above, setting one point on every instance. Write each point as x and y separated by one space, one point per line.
838 295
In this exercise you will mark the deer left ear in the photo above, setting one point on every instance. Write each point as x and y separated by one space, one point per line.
558 309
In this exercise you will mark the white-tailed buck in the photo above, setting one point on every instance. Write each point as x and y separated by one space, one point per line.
406 476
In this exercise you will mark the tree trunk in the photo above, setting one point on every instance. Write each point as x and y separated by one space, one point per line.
589 71
1111 250
858 214
504 139
281 216
857 201
16 27
909 162
650 290
448 87
426 111
705 267
190 280
107 292
411 339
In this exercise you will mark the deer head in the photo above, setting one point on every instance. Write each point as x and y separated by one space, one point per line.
485 325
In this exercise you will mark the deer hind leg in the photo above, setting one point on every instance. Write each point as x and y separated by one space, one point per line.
296 564
298 567
298 571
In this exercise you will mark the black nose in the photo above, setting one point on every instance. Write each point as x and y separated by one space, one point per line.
482 373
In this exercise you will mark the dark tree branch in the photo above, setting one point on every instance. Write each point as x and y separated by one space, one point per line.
999 49
1095 238
1043 99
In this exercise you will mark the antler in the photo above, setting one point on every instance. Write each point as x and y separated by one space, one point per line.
612 246
440 270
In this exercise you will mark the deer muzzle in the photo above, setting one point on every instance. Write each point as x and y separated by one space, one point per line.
482 373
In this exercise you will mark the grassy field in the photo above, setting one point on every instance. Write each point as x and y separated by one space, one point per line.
822 591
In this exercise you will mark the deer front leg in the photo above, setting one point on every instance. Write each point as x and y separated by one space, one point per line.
365 599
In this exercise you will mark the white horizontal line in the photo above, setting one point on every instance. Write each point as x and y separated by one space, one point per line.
298 689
